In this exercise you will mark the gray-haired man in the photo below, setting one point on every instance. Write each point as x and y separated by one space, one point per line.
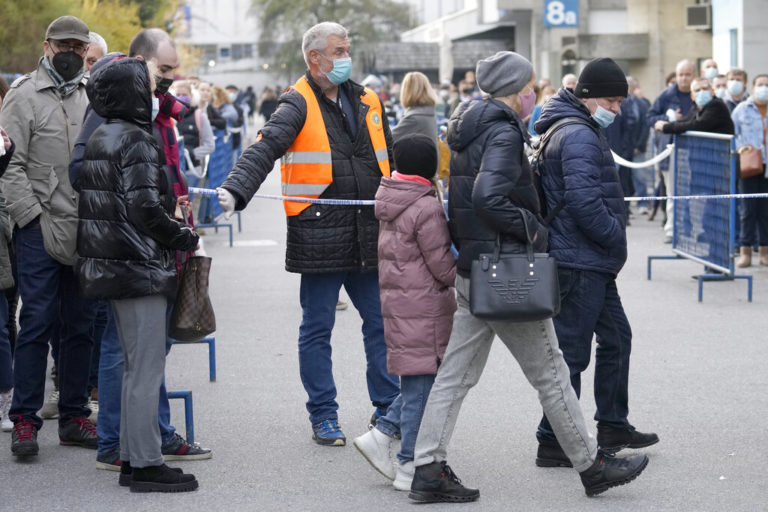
335 143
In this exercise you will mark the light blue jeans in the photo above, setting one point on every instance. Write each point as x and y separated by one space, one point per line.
404 415
534 346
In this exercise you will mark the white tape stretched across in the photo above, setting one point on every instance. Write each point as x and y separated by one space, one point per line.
648 163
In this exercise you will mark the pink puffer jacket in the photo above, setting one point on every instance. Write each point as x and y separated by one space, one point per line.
416 274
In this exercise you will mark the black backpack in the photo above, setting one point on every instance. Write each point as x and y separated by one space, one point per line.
537 163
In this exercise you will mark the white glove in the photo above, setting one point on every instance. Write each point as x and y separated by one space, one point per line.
226 201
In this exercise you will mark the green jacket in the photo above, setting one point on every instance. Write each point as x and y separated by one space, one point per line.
44 127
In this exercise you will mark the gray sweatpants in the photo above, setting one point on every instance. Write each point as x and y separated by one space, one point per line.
141 326
534 346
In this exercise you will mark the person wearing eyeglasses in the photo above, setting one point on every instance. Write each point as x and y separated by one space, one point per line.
43 114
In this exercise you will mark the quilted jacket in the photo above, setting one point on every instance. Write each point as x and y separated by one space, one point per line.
492 188
322 238
416 274
589 232
125 236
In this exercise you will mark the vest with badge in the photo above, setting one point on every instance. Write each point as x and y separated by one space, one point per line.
307 166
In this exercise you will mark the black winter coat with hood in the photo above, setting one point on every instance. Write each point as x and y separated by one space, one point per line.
492 188
322 238
126 236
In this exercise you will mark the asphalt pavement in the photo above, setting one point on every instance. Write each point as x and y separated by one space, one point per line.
698 379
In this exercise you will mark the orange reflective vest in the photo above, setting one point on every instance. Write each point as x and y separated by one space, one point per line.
307 167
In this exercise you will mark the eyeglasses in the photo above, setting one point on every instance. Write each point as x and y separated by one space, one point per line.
67 47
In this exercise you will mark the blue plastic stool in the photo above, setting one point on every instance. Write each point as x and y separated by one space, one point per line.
211 341
189 414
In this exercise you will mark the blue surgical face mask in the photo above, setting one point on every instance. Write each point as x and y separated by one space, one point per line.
155 107
710 72
232 97
604 117
761 93
341 70
720 92
735 87
703 97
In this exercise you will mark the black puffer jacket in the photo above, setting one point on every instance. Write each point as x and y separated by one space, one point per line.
492 187
322 238
126 237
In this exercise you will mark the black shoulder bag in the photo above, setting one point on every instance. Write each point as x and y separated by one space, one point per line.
514 287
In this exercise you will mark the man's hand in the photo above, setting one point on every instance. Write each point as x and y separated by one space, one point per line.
181 201
659 125
226 201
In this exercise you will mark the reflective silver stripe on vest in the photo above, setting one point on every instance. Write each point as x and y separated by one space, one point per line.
307 157
382 154
302 189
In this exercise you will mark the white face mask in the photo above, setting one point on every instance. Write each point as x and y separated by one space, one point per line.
735 87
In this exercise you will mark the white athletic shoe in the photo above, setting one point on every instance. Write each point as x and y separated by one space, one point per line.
376 446
5 408
404 476
93 405
50 407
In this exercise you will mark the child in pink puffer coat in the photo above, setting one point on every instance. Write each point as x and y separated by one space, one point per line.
416 274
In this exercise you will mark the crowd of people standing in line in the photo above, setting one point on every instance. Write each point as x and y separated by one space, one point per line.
101 228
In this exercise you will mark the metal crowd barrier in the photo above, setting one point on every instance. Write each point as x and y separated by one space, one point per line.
704 165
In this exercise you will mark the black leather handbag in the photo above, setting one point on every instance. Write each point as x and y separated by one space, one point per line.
516 287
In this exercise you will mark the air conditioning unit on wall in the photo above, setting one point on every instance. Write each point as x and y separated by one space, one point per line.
698 17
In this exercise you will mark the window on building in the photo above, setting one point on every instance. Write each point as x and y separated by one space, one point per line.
209 52
734 36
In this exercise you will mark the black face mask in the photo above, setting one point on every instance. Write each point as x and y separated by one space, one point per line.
162 84
67 64
467 92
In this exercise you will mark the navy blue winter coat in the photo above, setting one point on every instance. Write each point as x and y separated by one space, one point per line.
589 232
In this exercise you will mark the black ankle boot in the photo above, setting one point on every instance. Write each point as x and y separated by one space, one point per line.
612 439
126 473
609 471
551 455
436 482
161 479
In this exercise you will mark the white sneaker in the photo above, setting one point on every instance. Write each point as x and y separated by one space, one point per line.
50 407
404 476
93 405
376 446
5 408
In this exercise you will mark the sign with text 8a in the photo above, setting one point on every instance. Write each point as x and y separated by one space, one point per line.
561 13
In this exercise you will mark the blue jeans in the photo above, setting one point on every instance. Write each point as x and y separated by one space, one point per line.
97 331
6 357
590 304
110 391
754 212
404 415
318 296
49 290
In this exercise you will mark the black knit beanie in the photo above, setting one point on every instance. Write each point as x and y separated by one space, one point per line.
416 154
601 78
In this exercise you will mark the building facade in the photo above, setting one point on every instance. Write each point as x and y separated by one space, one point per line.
646 37
222 38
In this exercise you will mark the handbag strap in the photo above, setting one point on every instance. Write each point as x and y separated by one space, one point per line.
528 241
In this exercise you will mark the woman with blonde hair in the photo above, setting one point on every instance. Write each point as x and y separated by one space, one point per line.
419 100
220 161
